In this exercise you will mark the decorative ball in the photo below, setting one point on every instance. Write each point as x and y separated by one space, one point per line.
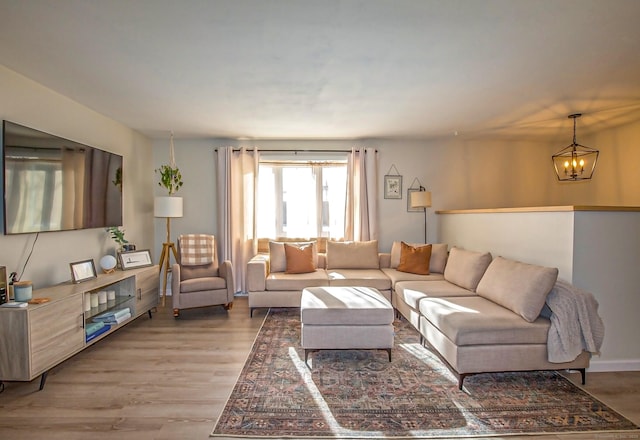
108 263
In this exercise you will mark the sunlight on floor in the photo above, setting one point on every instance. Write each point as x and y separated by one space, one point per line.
305 373
432 361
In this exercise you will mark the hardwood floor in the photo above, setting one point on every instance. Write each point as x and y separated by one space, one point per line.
164 378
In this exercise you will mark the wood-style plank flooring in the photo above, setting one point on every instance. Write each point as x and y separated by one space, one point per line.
164 378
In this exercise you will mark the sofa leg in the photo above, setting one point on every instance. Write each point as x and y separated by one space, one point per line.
583 373
461 380
176 313
228 306
251 309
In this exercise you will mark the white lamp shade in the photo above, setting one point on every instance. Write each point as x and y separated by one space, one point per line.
167 207
421 199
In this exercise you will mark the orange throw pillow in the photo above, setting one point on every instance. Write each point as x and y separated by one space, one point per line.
414 259
299 259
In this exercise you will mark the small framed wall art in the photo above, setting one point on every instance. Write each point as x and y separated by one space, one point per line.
83 271
392 186
134 259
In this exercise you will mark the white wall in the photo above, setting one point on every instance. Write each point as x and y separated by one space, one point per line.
544 238
461 173
28 103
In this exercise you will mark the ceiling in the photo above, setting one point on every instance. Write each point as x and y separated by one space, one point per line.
333 69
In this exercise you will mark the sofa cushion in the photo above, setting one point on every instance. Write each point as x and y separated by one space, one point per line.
396 276
520 287
374 278
465 268
278 258
352 255
299 259
296 282
415 259
411 292
201 284
438 259
473 320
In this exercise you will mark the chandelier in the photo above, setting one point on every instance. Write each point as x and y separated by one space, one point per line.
575 162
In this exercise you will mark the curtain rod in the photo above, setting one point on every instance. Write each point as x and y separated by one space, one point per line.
298 151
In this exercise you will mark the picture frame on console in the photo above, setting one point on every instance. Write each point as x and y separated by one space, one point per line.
83 271
135 259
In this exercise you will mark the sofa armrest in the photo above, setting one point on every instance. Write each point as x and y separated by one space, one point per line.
257 271
226 272
175 278
385 259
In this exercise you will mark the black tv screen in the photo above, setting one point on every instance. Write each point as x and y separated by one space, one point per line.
54 184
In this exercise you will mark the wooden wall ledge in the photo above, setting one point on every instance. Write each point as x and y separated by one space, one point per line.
541 209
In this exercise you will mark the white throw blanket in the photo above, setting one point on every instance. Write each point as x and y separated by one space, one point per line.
196 249
575 323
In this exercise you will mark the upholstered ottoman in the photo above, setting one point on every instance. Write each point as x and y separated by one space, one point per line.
345 318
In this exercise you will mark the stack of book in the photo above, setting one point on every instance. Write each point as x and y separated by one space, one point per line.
113 316
94 329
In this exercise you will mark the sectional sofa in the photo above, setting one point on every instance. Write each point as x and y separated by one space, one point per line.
479 313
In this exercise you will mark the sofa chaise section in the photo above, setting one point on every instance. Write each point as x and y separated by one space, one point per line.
496 327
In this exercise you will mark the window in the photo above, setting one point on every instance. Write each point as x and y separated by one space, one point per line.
301 197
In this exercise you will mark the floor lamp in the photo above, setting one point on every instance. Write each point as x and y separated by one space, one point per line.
422 199
167 207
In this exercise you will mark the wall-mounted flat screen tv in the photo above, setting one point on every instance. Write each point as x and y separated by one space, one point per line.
53 184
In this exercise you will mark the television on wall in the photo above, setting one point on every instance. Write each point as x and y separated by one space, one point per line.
54 184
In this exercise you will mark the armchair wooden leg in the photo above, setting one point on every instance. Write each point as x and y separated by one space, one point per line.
228 306
176 313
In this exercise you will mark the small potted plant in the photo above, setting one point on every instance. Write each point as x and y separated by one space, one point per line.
170 178
117 235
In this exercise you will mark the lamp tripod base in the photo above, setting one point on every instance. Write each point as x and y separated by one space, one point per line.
165 260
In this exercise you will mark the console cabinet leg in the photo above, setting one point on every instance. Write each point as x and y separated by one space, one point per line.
43 379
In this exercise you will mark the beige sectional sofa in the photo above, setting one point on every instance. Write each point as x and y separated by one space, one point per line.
478 313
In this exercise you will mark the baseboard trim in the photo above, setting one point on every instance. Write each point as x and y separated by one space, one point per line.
597 366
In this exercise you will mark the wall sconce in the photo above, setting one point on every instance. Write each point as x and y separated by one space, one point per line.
575 162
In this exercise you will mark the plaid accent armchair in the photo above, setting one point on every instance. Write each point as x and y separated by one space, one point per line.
201 285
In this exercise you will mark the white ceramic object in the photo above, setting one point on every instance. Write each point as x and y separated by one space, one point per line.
108 263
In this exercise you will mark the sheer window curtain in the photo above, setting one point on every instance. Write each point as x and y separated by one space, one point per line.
362 208
237 173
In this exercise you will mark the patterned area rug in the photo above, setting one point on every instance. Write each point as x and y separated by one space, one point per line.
360 394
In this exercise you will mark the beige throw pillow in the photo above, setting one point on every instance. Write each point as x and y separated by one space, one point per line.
519 287
465 268
439 253
299 259
352 255
415 259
